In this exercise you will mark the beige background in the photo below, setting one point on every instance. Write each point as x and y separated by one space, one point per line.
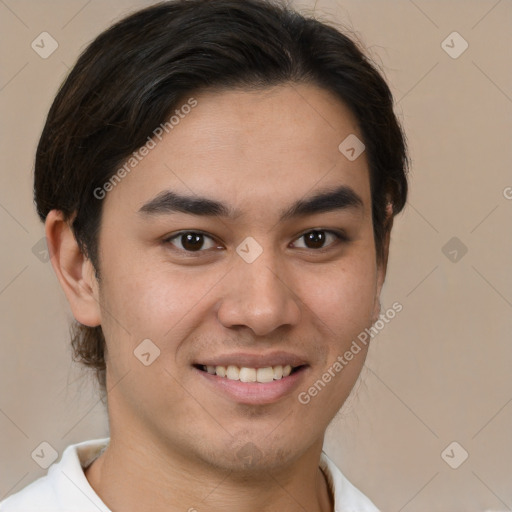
439 372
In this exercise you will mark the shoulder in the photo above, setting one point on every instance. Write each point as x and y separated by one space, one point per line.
64 487
347 497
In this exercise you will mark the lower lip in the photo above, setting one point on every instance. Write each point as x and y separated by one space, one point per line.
254 393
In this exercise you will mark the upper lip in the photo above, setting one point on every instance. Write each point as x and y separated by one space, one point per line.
244 359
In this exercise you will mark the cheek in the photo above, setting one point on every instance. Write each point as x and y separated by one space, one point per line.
150 302
343 295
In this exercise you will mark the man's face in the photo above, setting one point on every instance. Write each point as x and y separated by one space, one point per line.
293 293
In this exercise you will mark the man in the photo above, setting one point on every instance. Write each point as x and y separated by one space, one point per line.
218 181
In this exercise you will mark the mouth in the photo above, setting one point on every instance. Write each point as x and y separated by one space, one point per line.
246 374
255 386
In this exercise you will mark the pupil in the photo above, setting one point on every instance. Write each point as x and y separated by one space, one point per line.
192 241
316 238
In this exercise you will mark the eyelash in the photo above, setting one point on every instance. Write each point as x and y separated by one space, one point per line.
341 237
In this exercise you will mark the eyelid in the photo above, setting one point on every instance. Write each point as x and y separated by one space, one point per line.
339 234
169 238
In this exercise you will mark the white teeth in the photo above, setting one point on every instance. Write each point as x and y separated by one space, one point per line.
265 374
245 374
233 373
278 372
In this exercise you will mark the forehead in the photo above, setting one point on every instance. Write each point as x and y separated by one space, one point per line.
288 121
246 147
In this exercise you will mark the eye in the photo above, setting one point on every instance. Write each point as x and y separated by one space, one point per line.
316 239
190 241
195 241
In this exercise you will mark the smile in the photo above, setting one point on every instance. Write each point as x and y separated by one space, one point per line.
245 374
253 386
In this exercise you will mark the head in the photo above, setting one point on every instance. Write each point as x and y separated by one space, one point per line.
224 120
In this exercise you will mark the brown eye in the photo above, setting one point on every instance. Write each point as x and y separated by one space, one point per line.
190 241
316 239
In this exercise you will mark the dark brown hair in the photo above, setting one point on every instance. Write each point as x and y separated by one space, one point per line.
131 77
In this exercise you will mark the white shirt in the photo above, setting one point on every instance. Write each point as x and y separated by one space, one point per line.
66 489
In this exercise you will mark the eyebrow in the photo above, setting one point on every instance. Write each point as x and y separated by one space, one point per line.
325 200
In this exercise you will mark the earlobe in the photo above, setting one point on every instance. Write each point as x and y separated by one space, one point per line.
74 270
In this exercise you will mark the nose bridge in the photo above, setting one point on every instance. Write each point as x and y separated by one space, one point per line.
261 277
258 296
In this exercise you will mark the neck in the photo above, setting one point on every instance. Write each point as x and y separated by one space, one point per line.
131 475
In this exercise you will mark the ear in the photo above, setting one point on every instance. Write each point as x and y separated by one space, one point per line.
74 271
382 265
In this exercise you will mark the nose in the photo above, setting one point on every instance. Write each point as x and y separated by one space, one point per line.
259 295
